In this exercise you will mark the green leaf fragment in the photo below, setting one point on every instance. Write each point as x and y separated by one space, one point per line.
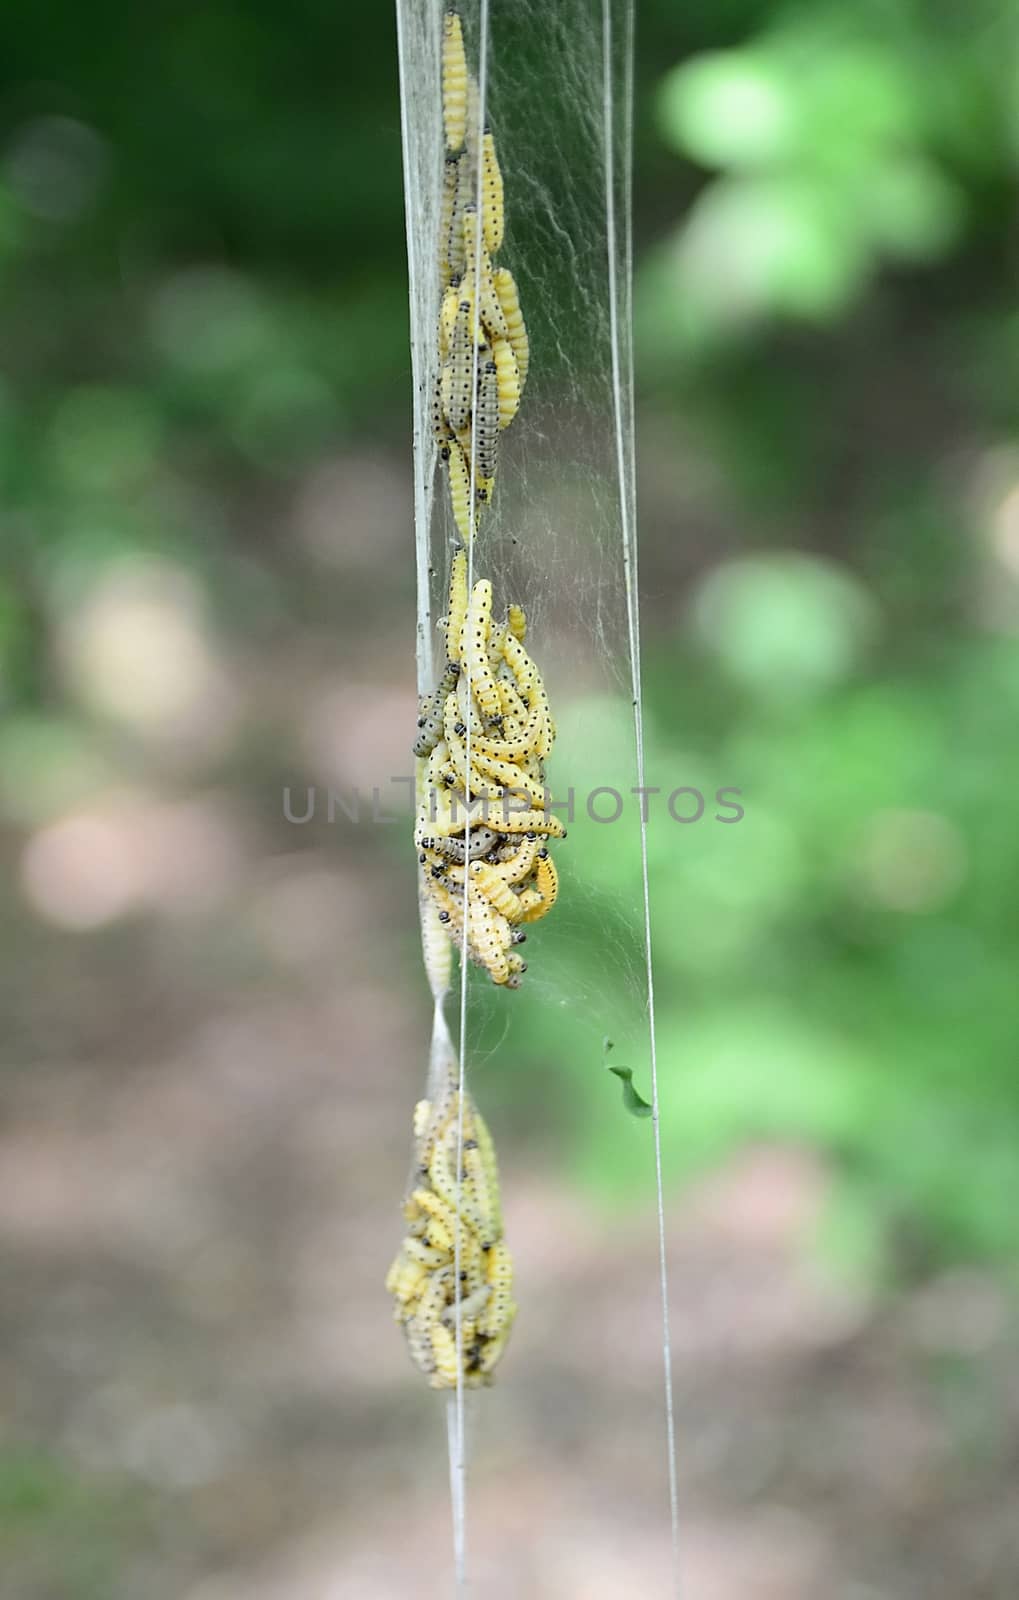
634 1103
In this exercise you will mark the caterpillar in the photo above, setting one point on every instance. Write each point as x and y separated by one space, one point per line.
486 421
507 380
508 297
493 211
454 82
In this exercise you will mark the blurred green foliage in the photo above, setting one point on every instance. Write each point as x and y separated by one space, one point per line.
202 289
827 322
66 1533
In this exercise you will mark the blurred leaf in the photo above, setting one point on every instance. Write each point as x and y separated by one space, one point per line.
728 109
914 211
786 625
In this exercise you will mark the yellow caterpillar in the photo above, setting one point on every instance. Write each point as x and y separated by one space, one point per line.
474 636
500 896
514 779
457 606
490 937
454 82
533 732
460 495
493 213
507 375
506 293
546 879
500 1310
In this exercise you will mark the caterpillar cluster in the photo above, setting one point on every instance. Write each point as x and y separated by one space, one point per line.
423 1279
484 817
504 866
483 346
